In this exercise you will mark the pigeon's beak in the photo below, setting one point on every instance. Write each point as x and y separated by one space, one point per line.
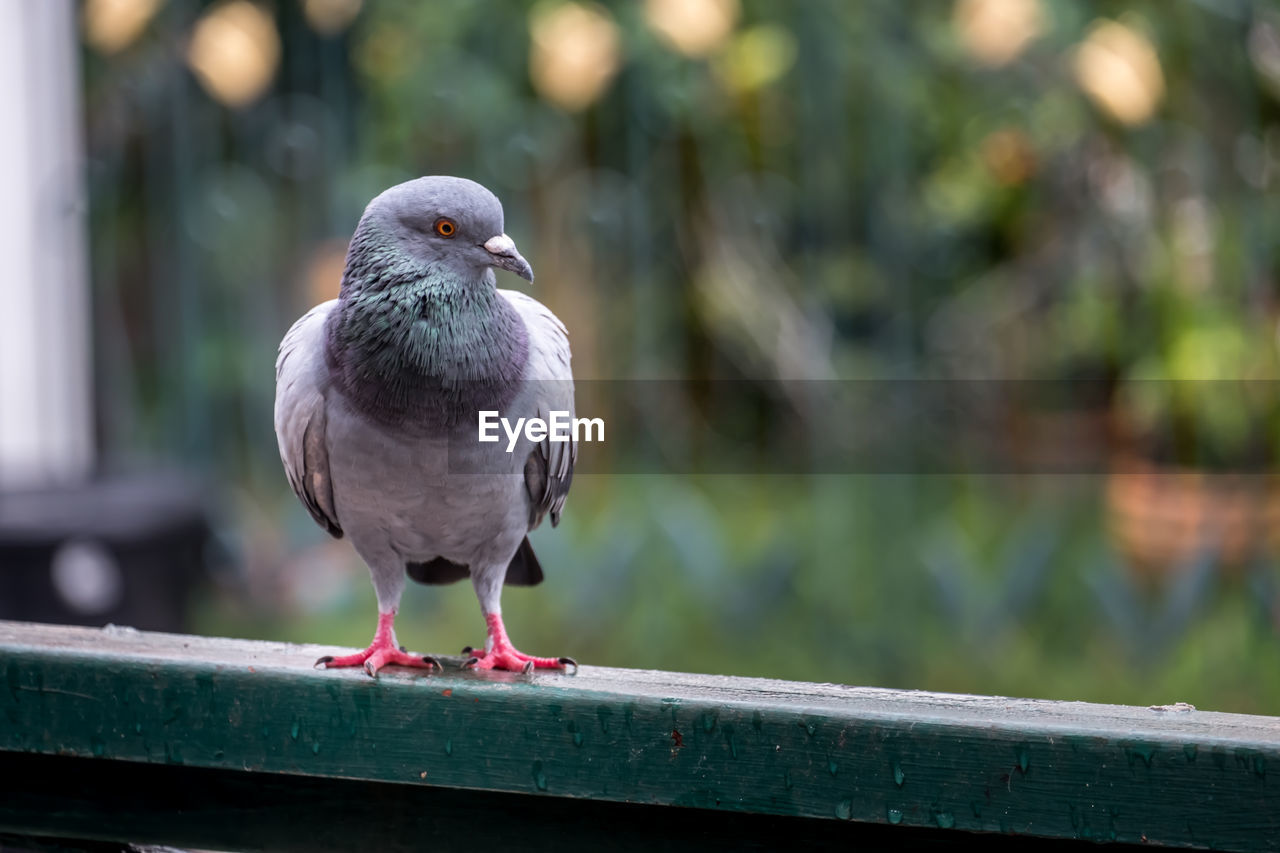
503 254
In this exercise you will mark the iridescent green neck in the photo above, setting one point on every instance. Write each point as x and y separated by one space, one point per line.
421 346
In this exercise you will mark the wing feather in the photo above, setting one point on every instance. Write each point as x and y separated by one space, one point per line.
300 416
549 469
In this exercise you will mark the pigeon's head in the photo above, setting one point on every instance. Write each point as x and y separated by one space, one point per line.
448 222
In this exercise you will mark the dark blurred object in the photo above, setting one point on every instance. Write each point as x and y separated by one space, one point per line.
124 550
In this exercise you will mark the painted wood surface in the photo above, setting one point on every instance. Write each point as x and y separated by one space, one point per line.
1169 775
232 810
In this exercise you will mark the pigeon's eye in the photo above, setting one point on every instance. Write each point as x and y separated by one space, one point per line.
446 227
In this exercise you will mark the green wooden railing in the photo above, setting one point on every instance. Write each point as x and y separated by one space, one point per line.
111 736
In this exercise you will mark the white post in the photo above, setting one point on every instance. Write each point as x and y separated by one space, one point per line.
46 406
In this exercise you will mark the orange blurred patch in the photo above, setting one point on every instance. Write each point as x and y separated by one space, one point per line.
1008 156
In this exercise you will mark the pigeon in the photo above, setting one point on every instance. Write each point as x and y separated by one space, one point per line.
378 395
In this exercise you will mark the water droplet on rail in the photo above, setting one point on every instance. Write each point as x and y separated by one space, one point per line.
844 809
1139 752
898 776
1251 760
944 820
832 767
895 816
315 748
539 778
1024 759
293 731
448 746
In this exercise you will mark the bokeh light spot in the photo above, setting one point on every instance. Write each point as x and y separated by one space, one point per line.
330 17
234 52
1117 67
112 25
576 53
996 32
692 27
757 57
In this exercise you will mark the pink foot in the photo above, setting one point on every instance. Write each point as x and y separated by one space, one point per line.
503 655
382 651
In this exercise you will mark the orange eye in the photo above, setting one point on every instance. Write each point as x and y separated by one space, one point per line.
446 227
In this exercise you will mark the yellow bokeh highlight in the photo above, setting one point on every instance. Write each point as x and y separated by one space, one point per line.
234 52
996 32
330 17
756 58
695 28
575 54
1117 67
112 25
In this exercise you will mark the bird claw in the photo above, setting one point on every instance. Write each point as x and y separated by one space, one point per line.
376 656
498 653
510 660
376 662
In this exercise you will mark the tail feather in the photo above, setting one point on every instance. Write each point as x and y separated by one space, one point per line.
437 571
523 570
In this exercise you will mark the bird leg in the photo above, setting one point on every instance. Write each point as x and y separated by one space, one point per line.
500 654
382 651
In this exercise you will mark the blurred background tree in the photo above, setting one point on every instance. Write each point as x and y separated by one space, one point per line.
1081 194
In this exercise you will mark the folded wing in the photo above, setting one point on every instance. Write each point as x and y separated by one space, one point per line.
548 471
300 416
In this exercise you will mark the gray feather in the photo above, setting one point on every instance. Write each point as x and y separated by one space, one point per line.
548 471
300 416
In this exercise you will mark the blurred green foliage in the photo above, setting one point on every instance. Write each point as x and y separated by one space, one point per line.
825 190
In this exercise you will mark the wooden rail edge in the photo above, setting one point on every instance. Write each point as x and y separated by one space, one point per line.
842 759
